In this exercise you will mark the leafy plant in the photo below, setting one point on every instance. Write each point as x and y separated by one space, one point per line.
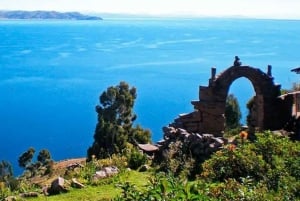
161 187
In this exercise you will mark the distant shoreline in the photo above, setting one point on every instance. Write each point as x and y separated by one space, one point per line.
45 15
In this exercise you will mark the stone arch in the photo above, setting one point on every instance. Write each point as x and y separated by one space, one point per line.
208 116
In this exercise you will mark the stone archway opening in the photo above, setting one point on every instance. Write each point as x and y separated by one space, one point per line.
243 90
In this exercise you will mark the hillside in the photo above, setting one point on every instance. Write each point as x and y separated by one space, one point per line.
46 15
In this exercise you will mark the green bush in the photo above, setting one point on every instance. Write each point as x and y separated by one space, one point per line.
161 187
235 163
271 163
136 159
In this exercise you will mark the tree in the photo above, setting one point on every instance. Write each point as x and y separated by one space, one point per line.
44 157
115 122
232 112
5 171
26 158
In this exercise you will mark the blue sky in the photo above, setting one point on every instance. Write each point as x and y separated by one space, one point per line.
249 8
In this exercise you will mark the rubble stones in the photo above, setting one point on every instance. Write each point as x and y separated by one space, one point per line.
198 144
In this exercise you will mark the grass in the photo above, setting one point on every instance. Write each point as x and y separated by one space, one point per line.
106 191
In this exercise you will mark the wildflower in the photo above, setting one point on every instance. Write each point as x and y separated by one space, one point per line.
231 147
244 135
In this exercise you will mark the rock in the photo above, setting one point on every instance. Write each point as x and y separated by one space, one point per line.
76 184
200 145
144 168
45 190
58 186
106 172
29 195
111 170
11 198
99 175
72 166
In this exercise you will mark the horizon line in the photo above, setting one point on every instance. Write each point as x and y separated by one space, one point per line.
161 15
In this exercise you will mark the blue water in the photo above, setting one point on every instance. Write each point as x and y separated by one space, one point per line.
53 72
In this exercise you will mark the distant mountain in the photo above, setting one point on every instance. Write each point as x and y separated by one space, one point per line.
46 15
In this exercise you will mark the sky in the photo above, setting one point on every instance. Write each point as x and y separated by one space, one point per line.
280 9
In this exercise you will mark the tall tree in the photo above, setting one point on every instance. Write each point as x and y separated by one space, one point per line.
26 158
115 122
232 112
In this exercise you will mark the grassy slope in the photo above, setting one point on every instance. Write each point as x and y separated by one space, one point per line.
101 192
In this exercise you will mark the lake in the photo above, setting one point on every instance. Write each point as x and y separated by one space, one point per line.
52 72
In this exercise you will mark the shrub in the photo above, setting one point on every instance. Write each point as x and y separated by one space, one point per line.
178 160
136 159
271 162
162 187
234 163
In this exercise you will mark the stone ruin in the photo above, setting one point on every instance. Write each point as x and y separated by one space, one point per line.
208 116
201 131
200 145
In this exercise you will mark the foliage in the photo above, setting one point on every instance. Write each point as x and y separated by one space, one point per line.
250 106
5 171
267 169
26 158
4 191
86 173
136 159
271 162
178 160
161 187
232 162
232 112
115 122
105 190
44 157
42 166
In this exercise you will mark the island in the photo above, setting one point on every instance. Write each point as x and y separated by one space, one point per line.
45 15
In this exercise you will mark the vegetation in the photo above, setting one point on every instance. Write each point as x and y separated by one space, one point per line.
265 168
232 112
43 164
115 129
232 116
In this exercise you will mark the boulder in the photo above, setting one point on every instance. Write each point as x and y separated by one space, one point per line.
76 184
106 172
99 175
111 170
58 186
45 190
